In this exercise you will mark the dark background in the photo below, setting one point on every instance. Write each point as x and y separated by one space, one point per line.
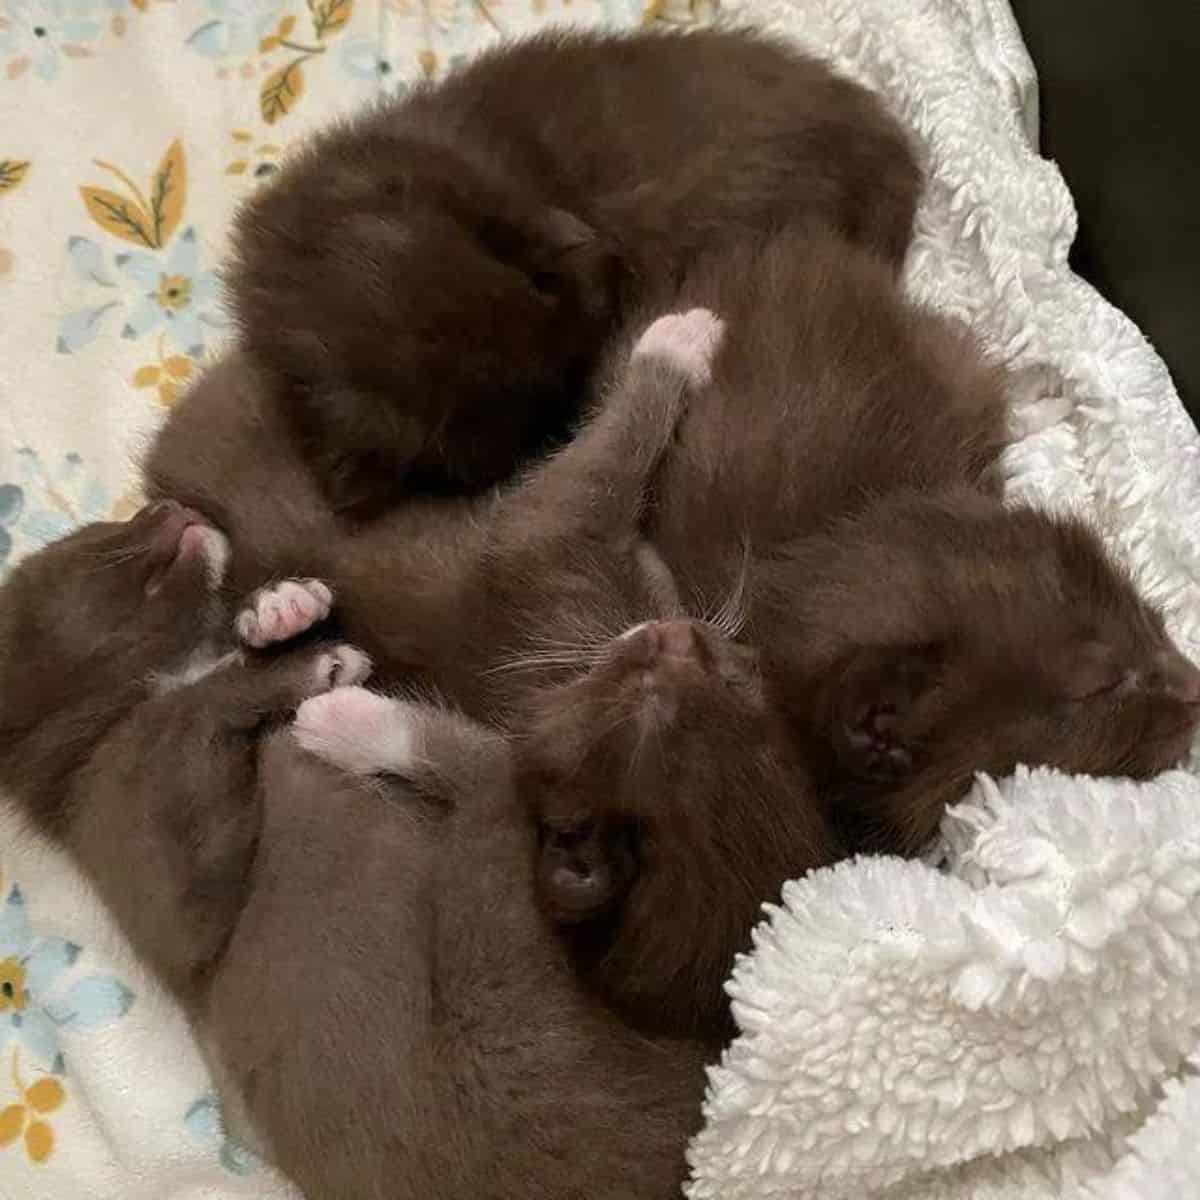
1120 110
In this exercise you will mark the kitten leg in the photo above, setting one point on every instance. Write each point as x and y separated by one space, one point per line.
167 817
282 611
366 734
598 482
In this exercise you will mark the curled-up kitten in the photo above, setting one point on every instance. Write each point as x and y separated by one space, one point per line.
840 513
833 496
428 286
428 1037
933 636
386 1012
122 685
668 794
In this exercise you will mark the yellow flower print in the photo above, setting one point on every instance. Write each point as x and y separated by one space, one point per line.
170 375
284 87
174 291
257 160
679 12
144 218
12 173
12 985
26 1118
162 269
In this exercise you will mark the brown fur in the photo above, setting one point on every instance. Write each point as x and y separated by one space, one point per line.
517 617
917 630
940 635
428 285
364 961
829 500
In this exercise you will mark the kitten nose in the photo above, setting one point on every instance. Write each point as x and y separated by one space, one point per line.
673 639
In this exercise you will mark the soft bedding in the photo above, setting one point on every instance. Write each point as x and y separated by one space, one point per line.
1017 1016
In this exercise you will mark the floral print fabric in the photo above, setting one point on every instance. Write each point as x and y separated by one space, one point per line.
129 131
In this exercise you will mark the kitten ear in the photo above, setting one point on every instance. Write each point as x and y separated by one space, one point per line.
584 869
564 232
878 694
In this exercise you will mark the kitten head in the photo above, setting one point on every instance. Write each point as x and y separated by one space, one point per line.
452 309
670 806
86 622
941 637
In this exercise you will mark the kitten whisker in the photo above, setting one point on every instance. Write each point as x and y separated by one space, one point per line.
533 662
730 618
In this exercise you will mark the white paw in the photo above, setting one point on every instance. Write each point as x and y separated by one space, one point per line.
360 731
341 667
688 341
283 611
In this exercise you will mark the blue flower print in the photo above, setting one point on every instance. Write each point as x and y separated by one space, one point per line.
47 503
236 27
175 292
34 1006
160 291
36 34
205 1122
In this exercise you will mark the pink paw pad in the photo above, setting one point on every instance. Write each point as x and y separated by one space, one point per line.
283 611
359 731
688 341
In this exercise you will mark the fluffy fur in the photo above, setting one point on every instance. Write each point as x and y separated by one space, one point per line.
474 243
839 478
846 598
385 1010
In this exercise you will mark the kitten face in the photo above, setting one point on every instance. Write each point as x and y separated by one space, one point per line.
110 603
983 638
670 708
670 806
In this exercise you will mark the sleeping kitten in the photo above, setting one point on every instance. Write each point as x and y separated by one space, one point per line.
386 1012
838 482
831 651
669 719
427 287
938 635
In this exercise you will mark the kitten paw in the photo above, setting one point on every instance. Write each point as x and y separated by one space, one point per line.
340 667
362 732
687 341
283 611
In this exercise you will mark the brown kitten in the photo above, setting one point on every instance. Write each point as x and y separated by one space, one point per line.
933 636
930 632
541 615
515 616
387 1013
835 488
427 286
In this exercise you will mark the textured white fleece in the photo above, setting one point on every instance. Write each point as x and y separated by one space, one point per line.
1019 1023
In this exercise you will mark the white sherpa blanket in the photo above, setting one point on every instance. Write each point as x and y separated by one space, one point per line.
1024 1022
